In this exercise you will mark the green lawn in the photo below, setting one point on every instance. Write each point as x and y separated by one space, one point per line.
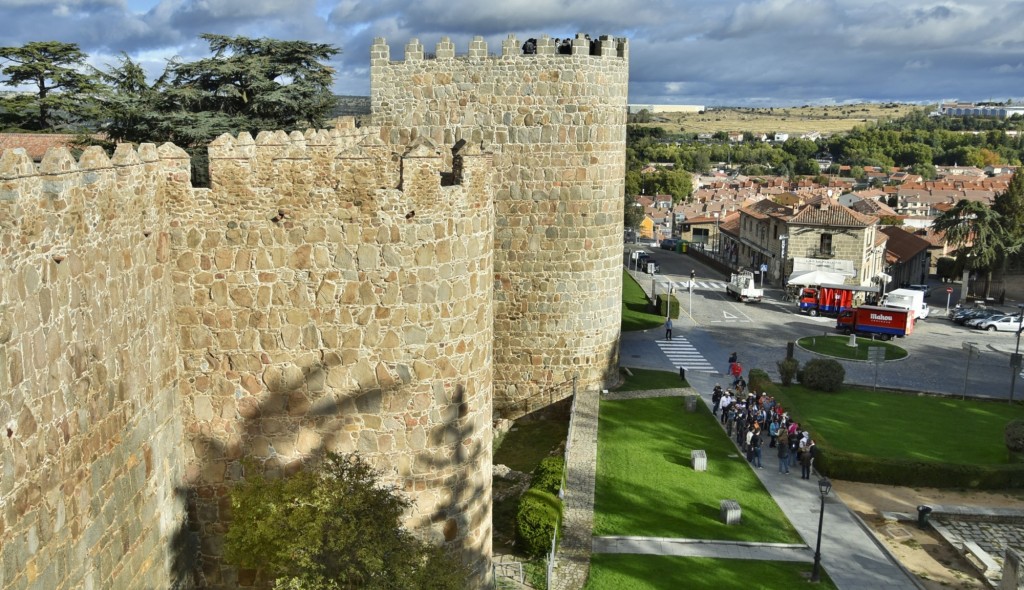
901 426
645 485
839 346
659 572
523 448
634 307
644 379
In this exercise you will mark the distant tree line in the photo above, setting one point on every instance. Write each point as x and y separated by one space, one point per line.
245 85
917 142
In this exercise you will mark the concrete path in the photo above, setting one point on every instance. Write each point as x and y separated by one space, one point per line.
704 548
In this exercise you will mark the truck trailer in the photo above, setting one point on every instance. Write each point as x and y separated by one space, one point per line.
870 320
826 299
907 299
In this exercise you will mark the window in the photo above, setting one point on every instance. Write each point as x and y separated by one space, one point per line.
825 246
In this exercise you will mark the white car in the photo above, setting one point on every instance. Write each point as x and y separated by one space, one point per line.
1003 323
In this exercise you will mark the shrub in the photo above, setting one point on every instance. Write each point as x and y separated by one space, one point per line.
537 519
1014 436
839 464
759 380
788 369
822 374
548 475
664 300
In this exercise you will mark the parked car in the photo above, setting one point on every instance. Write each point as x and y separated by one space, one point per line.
963 315
669 244
1004 323
977 321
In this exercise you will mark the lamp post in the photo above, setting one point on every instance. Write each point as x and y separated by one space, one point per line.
1015 360
824 487
718 237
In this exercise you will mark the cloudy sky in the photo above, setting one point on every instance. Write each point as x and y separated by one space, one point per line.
713 52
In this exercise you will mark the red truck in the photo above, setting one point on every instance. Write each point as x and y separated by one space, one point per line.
868 320
826 299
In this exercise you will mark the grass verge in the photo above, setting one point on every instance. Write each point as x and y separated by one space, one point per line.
839 347
904 426
645 379
635 307
645 485
661 572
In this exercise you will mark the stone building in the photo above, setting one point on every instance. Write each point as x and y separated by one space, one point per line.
333 290
819 233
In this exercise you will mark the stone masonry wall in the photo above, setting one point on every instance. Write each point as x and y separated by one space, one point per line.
556 124
90 429
333 291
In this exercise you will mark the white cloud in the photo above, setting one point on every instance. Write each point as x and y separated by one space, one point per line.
686 51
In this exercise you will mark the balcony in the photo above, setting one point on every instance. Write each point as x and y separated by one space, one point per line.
821 253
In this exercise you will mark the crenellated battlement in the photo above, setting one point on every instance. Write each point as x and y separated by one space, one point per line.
582 45
351 171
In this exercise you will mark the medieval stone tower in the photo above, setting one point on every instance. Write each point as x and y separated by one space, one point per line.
358 289
556 122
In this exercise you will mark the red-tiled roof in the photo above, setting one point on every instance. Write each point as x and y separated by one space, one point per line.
35 144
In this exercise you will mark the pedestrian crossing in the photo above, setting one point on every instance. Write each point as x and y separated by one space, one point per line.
683 354
709 284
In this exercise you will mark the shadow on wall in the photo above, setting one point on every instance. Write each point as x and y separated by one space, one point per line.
282 425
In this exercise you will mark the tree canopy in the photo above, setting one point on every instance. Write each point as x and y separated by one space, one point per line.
64 87
332 527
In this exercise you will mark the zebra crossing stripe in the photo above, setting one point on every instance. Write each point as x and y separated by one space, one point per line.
709 285
683 354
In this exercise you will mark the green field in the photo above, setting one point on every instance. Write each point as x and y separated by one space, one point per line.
647 379
645 485
904 426
791 120
634 307
839 347
659 572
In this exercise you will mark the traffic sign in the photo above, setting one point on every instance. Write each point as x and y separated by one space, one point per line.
949 289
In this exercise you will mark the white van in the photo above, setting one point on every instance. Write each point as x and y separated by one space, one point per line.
907 299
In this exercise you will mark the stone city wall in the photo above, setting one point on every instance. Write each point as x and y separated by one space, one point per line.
90 432
556 124
333 291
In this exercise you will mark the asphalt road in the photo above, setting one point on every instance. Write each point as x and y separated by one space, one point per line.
716 325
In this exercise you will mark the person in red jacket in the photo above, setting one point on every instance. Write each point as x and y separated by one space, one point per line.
736 370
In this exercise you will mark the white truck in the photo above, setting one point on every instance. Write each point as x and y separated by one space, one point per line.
911 299
743 287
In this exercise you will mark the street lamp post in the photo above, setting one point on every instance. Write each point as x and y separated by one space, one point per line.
1015 360
824 487
718 236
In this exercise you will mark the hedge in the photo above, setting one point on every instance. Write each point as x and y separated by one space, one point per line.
840 464
537 519
548 475
674 301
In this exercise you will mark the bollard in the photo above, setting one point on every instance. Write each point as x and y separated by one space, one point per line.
789 349
923 511
682 373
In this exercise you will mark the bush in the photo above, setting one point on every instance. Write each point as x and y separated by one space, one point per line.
664 300
788 369
822 374
759 380
838 464
537 519
1014 436
548 475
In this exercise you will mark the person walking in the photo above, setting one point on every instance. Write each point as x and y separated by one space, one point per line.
755 449
782 447
668 328
807 459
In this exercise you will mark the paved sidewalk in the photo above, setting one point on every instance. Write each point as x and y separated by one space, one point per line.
704 548
573 555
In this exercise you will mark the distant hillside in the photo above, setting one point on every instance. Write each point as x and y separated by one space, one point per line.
793 120
351 106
